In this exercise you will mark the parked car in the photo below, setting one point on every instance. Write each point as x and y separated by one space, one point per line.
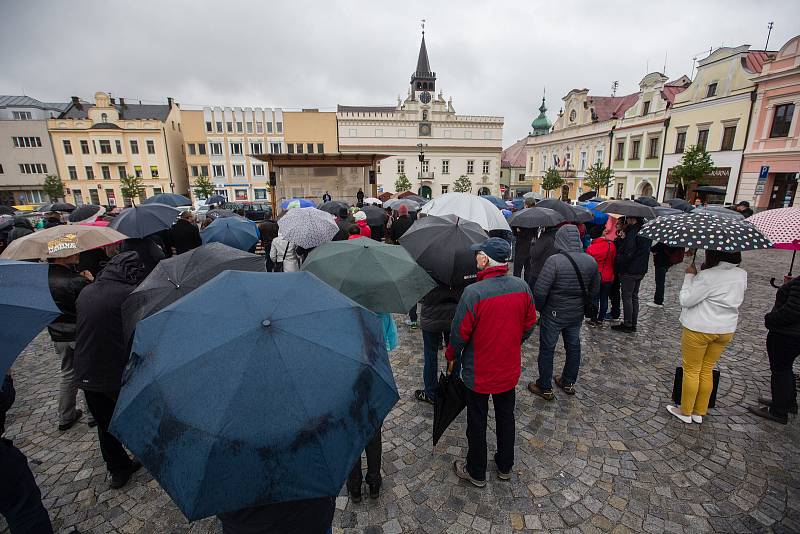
255 211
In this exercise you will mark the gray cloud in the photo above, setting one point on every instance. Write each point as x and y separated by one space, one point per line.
492 57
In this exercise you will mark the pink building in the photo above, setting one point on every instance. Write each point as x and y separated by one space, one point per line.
771 163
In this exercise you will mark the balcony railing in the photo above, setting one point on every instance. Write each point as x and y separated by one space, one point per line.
426 175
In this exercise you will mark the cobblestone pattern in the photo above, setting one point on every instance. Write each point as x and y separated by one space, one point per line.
609 459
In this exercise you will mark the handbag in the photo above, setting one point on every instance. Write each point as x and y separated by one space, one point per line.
678 384
278 268
588 305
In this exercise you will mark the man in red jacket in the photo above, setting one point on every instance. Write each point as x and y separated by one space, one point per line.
494 317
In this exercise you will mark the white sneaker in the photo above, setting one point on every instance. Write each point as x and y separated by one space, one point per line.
654 305
697 418
677 413
407 322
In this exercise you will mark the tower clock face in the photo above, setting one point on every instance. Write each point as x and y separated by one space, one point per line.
425 97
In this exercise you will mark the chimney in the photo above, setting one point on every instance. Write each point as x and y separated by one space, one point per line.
122 102
113 101
75 100
170 101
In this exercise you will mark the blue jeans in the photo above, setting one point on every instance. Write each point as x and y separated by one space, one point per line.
431 342
549 330
601 301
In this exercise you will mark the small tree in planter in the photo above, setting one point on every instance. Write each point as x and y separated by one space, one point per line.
551 180
462 184
695 164
402 184
53 187
598 177
203 187
131 186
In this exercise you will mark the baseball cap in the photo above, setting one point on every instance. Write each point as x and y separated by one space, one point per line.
496 248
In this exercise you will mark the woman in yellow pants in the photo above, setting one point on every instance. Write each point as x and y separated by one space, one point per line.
710 304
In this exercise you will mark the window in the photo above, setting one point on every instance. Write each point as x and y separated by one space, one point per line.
782 120
260 128
106 171
635 148
238 170
137 171
646 108
653 151
27 142
728 135
680 142
240 194
249 127
203 170
151 146
195 170
85 146
485 168
275 148
712 90
401 132
299 148
219 171
446 133
21 115
192 149
290 148
620 151
94 196
105 146
215 148
118 146
258 170
468 134
279 127
309 148
425 166
201 148
583 160
470 166
379 132
32 168
260 194
67 146
401 166
353 132
112 197
544 163
445 166
445 188
239 127
599 155
73 172
236 149
208 127
104 117
256 148
1 169
153 171
702 138
229 126
320 148
134 146
89 172
219 126
122 172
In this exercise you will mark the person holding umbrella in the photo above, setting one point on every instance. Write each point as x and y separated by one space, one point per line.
361 220
184 235
603 251
494 317
634 259
522 245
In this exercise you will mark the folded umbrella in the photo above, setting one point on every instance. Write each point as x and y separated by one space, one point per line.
169 199
86 213
142 221
441 246
25 305
680 204
272 400
648 201
55 206
450 400
536 217
470 207
179 275
626 208
296 203
236 232
307 227
382 278
61 241
375 216
705 231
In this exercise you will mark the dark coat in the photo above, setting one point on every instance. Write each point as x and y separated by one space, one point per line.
785 315
184 236
438 308
399 227
542 248
633 257
100 349
308 516
522 250
21 228
147 249
344 230
65 286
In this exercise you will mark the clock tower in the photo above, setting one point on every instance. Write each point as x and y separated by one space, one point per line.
423 81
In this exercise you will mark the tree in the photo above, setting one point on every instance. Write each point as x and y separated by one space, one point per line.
53 187
552 180
131 186
402 184
462 184
203 187
598 177
695 164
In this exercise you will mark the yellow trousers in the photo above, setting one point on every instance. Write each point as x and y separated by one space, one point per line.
700 354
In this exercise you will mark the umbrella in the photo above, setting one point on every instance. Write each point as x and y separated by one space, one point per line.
170 199
441 246
566 211
702 230
473 208
648 201
6 221
626 208
373 200
25 305
337 208
450 400
215 199
96 222
721 211
219 213
518 203
536 217
587 196
708 189
382 278
142 221
236 232
416 198
179 275
61 241
307 227
375 216
583 215
296 203
782 227
680 204
395 203
55 206
663 211
86 213
598 217
268 395
500 203
5 210
531 194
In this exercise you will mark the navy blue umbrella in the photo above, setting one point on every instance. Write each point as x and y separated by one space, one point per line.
255 388
170 199
25 306
500 203
236 232
142 221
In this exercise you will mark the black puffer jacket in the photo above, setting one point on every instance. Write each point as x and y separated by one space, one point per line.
785 315
541 248
438 308
634 255
65 286
100 349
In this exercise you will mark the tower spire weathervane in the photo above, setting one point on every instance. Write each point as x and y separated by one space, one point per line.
423 26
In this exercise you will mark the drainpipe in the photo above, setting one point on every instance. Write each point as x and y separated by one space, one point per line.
661 161
169 167
753 97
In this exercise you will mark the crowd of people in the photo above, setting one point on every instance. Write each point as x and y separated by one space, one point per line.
562 276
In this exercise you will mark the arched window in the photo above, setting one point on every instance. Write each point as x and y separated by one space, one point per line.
104 117
565 192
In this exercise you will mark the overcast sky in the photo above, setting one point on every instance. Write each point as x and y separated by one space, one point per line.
492 57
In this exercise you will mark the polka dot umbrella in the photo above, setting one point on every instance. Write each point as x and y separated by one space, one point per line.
701 230
782 227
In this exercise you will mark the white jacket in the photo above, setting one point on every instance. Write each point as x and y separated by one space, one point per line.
711 299
281 246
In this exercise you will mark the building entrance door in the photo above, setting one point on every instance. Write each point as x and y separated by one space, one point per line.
483 191
784 187
565 192
425 192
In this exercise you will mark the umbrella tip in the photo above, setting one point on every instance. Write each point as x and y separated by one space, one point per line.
266 322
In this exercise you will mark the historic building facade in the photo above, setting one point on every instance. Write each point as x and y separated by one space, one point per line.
425 139
512 171
26 155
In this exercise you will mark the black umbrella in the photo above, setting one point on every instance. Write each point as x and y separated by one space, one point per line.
535 217
142 221
648 201
6 210
626 208
582 215
440 244
175 277
219 214
663 211
704 230
336 208
680 204
587 196
375 216
56 206
451 397
85 213
710 189
170 199
418 199
566 211
216 199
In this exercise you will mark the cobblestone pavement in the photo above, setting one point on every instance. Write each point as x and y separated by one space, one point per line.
609 459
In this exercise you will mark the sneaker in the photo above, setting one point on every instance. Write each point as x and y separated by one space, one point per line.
502 475
697 418
120 478
763 411
768 402
534 388
677 413
374 491
569 389
460 469
654 305
408 322
63 427
420 395
622 327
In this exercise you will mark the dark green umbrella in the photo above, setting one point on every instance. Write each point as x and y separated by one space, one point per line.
382 278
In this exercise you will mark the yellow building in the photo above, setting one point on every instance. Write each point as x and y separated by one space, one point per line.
96 144
311 132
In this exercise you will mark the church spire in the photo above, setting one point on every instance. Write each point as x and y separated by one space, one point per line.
423 78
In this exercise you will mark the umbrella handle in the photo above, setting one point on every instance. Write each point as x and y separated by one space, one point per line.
773 284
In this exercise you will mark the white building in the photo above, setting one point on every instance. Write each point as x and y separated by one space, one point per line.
425 139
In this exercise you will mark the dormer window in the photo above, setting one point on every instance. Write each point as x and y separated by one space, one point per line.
646 108
104 118
712 90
